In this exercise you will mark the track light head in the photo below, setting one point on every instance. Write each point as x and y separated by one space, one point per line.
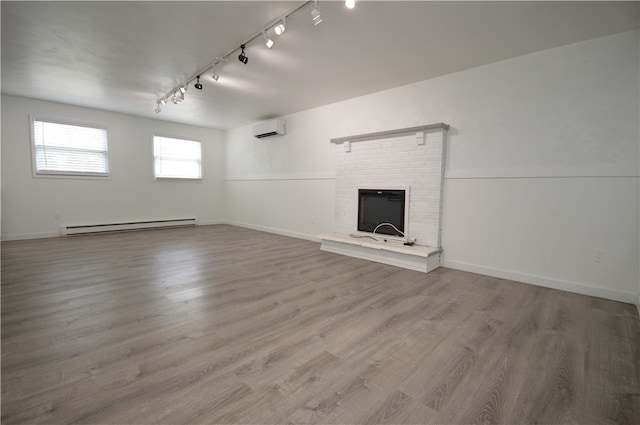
158 108
215 76
162 102
350 4
242 57
178 96
316 17
197 84
279 29
267 41
183 89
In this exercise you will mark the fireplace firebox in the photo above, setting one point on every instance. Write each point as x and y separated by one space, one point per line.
382 211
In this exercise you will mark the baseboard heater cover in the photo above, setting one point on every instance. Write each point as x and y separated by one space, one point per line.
119 227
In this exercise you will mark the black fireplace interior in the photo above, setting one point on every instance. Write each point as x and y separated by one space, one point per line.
377 206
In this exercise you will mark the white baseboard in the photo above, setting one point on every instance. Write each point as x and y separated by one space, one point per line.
297 235
577 288
210 222
25 236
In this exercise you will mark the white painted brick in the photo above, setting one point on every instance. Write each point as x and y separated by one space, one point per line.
395 162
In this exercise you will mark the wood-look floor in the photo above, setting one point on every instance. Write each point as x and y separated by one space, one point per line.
218 324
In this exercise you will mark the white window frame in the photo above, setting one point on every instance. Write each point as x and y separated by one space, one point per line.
65 174
153 157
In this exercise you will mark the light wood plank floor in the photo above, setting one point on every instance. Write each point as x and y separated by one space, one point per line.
218 324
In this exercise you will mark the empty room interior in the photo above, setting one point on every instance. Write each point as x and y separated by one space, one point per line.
268 212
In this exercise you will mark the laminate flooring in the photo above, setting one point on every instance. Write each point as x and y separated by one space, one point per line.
220 324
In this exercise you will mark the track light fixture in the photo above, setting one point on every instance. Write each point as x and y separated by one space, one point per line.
316 17
197 84
176 95
267 41
279 29
214 75
242 57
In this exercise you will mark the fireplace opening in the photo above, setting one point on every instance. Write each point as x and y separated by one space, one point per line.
379 206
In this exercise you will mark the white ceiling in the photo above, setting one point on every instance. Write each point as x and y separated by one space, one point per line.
124 56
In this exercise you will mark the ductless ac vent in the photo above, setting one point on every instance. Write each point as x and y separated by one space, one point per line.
262 135
270 128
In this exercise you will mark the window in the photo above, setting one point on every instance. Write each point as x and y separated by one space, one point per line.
176 158
66 149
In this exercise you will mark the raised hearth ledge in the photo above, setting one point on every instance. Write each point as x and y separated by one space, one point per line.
419 258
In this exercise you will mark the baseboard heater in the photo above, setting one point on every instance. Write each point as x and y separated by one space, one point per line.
120 227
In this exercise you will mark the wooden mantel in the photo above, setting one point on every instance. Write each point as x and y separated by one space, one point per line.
388 133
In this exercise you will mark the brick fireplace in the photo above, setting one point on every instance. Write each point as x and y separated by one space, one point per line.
411 159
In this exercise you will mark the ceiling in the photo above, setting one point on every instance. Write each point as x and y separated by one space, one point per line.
124 56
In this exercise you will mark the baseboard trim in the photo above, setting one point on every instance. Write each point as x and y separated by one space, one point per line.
210 222
281 232
563 285
25 236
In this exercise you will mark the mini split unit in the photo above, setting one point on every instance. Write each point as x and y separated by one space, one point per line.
270 128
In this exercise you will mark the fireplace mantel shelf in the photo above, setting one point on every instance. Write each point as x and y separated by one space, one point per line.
416 257
389 133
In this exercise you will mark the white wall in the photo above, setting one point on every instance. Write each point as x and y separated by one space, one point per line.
29 204
542 165
286 183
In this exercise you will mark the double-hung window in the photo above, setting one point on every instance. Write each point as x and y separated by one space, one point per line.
176 158
69 150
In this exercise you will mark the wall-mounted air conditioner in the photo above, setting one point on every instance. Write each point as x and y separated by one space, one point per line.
270 128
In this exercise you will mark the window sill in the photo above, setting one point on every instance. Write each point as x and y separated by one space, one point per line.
71 176
178 179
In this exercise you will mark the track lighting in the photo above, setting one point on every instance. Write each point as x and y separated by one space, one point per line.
242 57
176 94
279 29
267 41
214 75
316 18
